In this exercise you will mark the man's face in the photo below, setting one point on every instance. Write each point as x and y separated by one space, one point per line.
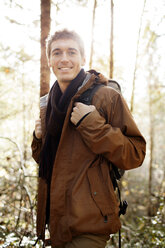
65 60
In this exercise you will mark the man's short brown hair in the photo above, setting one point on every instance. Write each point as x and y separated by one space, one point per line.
65 34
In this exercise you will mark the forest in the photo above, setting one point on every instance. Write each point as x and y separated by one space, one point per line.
124 40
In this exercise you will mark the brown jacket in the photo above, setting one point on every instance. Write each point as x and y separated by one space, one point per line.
81 193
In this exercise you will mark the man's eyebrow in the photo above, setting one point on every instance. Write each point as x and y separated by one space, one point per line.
55 49
72 48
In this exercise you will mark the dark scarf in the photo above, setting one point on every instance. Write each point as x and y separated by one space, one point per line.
55 115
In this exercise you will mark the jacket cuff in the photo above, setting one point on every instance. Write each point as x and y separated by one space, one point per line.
35 138
78 123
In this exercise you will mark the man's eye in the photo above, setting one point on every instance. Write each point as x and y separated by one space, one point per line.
56 53
72 53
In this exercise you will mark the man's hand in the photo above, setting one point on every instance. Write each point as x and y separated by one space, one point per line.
79 111
38 130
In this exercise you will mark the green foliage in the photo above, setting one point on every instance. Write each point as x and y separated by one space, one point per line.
17 196
147 233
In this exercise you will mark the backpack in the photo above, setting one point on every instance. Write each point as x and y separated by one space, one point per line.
86 98
115 173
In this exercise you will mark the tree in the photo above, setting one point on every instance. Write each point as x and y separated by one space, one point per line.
136 60
111 41
92 33
45 29
155 119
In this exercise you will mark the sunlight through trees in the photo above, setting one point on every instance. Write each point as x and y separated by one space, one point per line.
124 40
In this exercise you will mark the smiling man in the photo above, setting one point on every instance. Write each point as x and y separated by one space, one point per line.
66 61
76 199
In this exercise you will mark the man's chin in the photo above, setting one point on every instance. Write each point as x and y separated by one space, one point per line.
67 79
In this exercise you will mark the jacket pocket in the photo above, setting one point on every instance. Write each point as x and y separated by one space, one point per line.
100 192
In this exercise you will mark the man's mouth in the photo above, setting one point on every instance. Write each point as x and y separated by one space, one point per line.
65 69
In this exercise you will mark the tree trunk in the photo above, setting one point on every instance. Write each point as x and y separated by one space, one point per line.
111 64
151 152
92 35
45 29
136 60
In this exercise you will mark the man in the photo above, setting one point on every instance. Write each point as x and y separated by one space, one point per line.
75 193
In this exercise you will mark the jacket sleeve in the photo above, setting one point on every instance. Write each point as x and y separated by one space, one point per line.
37 143
36 148
118 139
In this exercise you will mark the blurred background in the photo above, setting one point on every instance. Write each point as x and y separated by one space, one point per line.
124 39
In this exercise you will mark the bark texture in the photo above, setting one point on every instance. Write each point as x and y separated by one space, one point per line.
111 42
92 34
45 29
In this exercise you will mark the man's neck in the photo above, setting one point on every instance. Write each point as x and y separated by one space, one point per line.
63 85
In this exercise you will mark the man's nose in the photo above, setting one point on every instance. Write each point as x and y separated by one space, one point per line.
64 57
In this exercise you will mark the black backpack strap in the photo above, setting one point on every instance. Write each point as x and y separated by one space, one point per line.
86 96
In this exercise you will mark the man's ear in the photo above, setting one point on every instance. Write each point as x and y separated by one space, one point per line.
49 63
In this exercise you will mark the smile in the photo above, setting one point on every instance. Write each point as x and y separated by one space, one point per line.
65 69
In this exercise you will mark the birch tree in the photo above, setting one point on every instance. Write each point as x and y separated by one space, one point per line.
136 60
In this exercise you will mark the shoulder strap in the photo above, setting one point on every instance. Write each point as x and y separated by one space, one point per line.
86 96
115 85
